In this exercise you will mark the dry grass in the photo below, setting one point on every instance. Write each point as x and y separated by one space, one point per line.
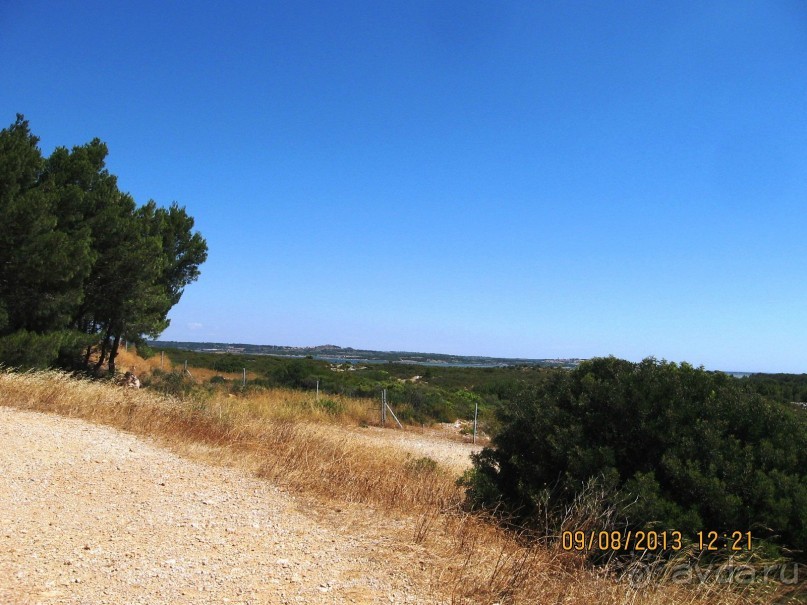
288 405
129 361
290 438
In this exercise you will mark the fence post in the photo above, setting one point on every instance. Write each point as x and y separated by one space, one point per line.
384 408
476 414
317 389
244 382
395 417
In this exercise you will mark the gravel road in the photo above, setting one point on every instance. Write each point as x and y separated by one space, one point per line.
92 515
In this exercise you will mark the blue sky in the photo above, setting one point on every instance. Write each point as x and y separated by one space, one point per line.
550 179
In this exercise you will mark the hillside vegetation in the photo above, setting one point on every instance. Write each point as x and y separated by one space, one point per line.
669 447
419 394
285 436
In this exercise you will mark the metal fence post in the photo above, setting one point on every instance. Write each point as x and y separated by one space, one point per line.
476 414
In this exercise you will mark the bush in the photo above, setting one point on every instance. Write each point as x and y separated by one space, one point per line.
228 363
695 451
294 374
330 406
422 466
176 384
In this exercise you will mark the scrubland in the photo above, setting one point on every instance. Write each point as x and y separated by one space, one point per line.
301 444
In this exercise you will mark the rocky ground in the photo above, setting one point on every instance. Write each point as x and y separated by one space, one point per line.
93 515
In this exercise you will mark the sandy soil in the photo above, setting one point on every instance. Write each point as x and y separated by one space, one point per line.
92 515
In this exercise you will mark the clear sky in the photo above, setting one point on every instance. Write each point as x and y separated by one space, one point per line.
536 179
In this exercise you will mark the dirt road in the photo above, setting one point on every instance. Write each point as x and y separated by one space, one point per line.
92 515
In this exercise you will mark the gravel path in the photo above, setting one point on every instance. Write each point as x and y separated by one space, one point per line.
92 515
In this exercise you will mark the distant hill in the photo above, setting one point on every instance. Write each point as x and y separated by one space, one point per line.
337 354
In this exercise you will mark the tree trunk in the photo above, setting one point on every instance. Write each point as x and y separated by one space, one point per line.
113 354
104 348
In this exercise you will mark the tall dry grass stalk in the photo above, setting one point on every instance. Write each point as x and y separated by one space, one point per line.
288 437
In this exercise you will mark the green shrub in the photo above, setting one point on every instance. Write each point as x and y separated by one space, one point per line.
175 384
692 450
330 406
294 374
422 466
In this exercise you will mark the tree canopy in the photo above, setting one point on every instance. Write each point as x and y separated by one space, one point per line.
81 264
